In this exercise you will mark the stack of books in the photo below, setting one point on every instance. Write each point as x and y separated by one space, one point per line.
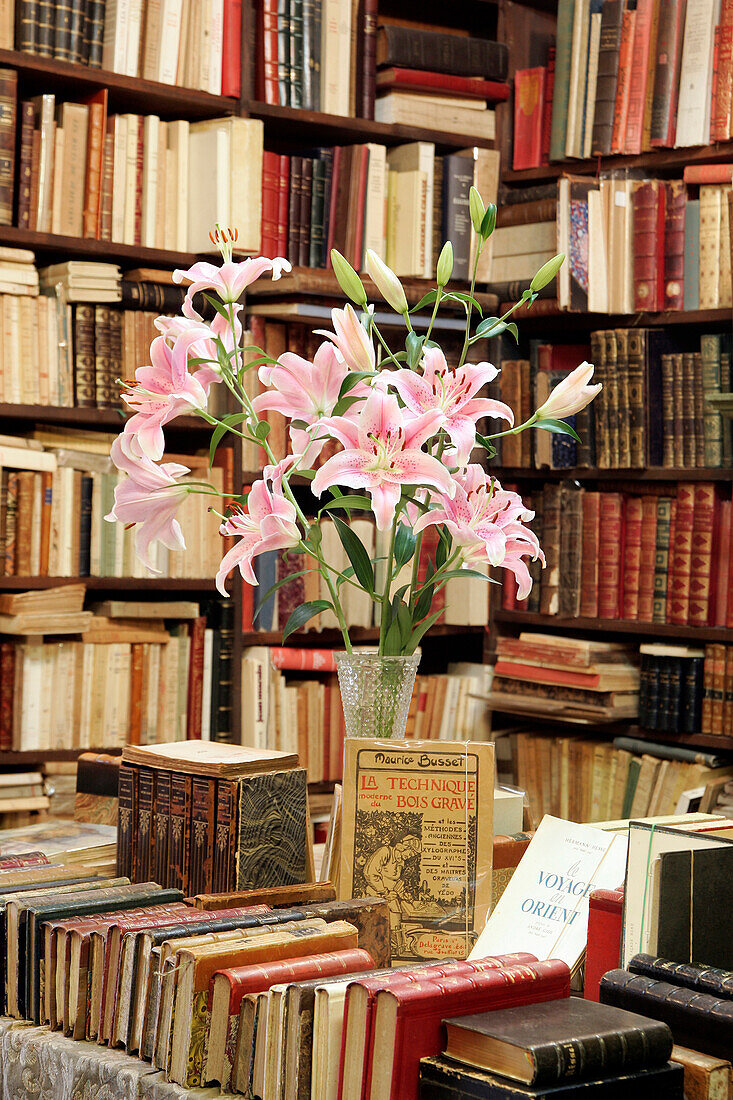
18 274
82 281
687 690
72 850
21 793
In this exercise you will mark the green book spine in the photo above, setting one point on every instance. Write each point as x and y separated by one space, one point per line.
712 420
634 769
565 12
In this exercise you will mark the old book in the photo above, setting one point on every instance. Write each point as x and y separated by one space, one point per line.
274 897
273 845
208 758
692 888
383 848
371 918
508 850
706 1078
203 824
555 1041
704 979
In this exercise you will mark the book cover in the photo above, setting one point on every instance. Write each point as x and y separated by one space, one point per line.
273 843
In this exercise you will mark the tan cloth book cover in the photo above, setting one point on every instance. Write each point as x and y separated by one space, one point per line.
417 830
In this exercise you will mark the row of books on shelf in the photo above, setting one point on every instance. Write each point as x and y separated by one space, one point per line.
633 243
402 202
687 690
57 486
169 43
334 57
658 555
133 179
131 673
291 702
586 779
626 78
653 409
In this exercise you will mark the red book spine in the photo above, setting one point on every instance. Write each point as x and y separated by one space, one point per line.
283 202
32 859
356 259
303 660
720 121
647 559
368 59
648 203
632 558
609 556
529 91
702 554
678 593
605 921
269 67
722 587
674 245
638 76
231 59
623 81
420 80
257 978
589 567
95 151
547 110
270 202
708 173
195 679
7 688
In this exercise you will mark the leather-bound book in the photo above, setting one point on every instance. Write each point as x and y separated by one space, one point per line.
648 198
529 91
599 408
605 921
552 1042
312 10
610 555
647 558
697 1020
180 826
632 557
203 821
728 690
105 399
93 34
571 546
161 827
84 357
718 707
623 81
296 171
225 840
304 211
508 850
25 152
295 74
688 434
668 411
127 821
674 244
589 557
275 897
628 398
706 719
706 1078
670 33
661 559
317 213
715 981
691 712
368 60
710 347
640 75
441 1079
612 392
701 563
270 195
143 825
678 602
442 53
8 116
370 917
76 31
608 60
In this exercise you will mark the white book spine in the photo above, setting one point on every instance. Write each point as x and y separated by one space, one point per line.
128 231
216 45
151 133
171 16
114 49
119 177
133 29
693 110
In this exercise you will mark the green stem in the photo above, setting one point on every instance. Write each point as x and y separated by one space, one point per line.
515 431
439 295
469 308
385 345
387 587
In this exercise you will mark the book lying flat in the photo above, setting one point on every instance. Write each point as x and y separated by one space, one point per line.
209 758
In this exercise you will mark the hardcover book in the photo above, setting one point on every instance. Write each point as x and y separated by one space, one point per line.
417 830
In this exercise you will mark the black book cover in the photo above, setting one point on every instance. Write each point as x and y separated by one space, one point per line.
566 1039
457 182
296 53
94 29
85 525
412 48
304 212
311 55
144 825
705 979
283 51
652 704
608 51
695 889
127 813
326 155
44 29
644 677
444 1080
691 709
665 688
161 827
672 720
224 724
62 30
317 213
76 31
296 168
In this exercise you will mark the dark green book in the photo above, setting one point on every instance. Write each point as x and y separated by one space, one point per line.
695 890
561 90
296 53
318 212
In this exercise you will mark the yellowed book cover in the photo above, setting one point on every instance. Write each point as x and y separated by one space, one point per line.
417 830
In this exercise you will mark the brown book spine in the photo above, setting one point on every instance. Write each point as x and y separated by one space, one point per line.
304 212
46 505
225 847
636 455
701 561
632 558
35 177
368 58
674 244
8 113
27 118
678 601
689 426
677 410
11 523
571 547
7 685
203 820
195 679
144 825
84 358
718 692
126 821
591 541
115 357
628 399
136 688
180 827
610 556
93 181
667 410
161 827
24 526
612 399
728 691
649 203
108 166
706 723
647 563
599 408
139 181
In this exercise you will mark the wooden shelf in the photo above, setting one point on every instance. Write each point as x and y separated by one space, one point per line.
616 626
126 93
10 758
128 255
295 126
89 418
662 161
686 740
651 473
331 639
143 585
319 282
592 321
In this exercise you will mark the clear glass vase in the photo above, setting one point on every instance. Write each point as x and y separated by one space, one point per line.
376 693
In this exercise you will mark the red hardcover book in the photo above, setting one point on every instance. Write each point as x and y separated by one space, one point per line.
466 87
570 677
95 153
609 555
32 859
283 203
708 173
639 75
590 548
231 58
419 1009
722 596
529 100
303 660
270 202
678 592
649 215
361 167
266 64
623 83
674 244
670 33
547 111
632 558
647 559
701 554
366 77
195 679
605 922
720 117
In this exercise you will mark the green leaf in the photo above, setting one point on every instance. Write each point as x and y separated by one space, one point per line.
426 300
345 403
559 427
511 327
444 547
357 555
351 380
427 591
400 629
465 299
274 587
484 442
302 614
413 346
220 308
404 546
315 536
466 573
350 501
262 430
221 429
489 221
491 325
423 628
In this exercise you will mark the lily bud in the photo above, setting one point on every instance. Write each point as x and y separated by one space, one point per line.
445 264
386 282
347 279
488 225
476 209
571 395
547 272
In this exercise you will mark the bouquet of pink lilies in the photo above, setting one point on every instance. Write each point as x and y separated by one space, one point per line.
404 420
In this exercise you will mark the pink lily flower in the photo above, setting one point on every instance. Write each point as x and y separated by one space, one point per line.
227 281
382 453
195 339
149 497
268 524
351 339
571 395
305 391
452 394
160 393
486 522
